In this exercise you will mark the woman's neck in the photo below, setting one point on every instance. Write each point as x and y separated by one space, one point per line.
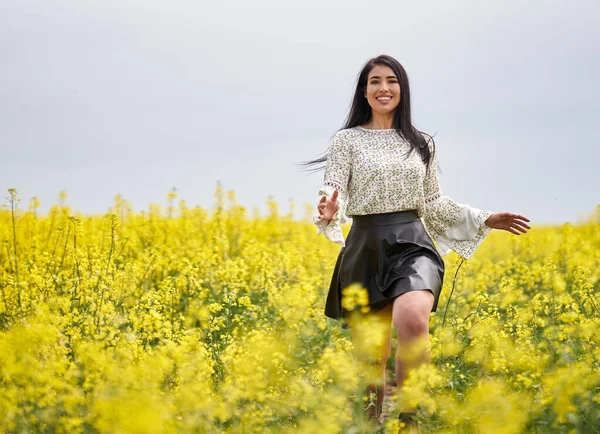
380 122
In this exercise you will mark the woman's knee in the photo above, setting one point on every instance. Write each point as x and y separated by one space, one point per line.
412 324
411 314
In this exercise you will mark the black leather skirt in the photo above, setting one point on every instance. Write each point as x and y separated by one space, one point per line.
389 254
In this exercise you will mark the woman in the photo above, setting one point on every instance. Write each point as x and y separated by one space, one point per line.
381 171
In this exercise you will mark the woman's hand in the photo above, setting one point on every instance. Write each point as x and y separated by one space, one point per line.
508 222
328 207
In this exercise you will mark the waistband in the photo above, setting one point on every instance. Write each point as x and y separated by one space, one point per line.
388 218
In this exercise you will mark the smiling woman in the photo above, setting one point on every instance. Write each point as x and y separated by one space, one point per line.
381 171
383 92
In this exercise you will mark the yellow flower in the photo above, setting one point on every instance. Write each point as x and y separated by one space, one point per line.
353 296
211 320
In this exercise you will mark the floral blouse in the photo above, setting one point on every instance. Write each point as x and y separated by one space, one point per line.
372 174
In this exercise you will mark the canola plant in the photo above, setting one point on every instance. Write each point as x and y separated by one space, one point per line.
180 319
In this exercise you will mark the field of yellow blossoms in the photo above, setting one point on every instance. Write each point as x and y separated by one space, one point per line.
188 320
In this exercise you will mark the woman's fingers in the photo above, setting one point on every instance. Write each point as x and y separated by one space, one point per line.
516 222
519 228
522 223
328 206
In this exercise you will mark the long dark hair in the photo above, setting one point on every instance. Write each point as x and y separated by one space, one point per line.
361 112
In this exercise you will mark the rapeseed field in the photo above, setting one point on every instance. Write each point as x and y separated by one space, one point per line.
192 320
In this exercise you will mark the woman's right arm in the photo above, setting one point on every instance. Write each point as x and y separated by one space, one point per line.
337 176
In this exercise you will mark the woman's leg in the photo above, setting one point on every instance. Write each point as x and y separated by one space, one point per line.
410 315
371 336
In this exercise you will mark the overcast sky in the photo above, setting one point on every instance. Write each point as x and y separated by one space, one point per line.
134 97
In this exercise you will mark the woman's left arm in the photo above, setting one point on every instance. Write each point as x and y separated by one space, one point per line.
460 227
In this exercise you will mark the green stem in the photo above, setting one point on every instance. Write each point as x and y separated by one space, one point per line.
593 304
451 292
14 227
110 254
2 287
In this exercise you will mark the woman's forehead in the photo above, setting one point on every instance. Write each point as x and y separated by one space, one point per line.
381 71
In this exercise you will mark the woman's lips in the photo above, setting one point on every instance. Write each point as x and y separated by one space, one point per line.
384 100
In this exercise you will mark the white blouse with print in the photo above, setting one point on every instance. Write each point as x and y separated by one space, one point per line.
372 174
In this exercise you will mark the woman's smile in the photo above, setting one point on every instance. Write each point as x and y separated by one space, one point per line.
384 99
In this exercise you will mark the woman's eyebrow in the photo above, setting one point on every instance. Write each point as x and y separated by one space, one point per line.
389 76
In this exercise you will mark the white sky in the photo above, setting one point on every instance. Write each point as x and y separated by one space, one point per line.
134 97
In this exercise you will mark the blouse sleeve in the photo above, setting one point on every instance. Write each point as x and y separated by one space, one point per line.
452 225
337 175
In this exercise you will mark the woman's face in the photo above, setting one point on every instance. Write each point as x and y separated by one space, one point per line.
383 89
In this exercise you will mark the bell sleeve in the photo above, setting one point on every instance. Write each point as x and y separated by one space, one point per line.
453 226
337 175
